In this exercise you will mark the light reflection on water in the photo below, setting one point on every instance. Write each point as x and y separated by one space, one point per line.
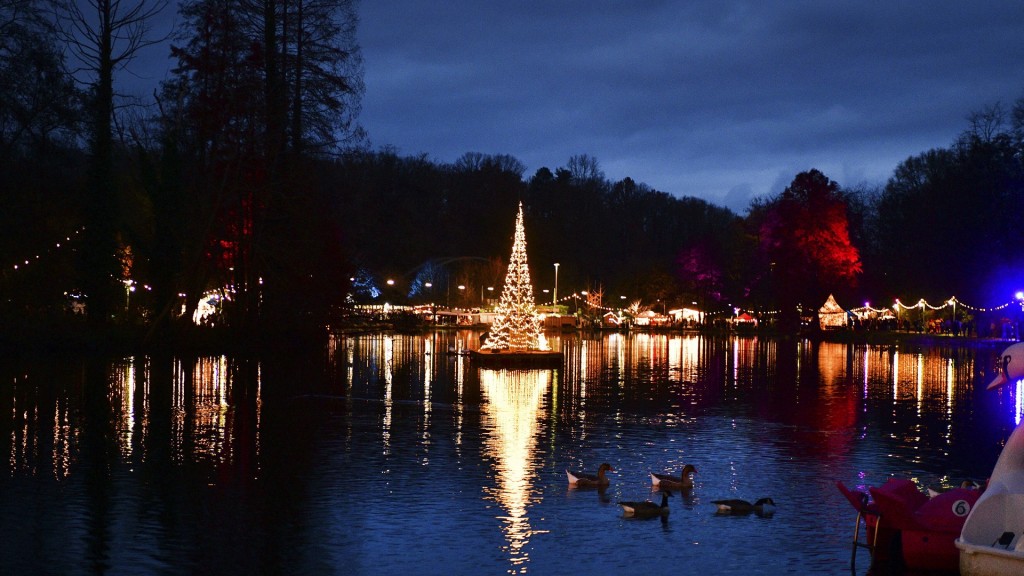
512 412
389 453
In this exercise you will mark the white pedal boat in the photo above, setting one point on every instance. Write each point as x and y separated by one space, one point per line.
992 540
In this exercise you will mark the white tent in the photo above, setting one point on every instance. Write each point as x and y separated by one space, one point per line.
831 315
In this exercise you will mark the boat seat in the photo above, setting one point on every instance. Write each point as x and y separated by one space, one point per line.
999 530
867 512
899 499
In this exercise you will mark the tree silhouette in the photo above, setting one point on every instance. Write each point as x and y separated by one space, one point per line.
103 36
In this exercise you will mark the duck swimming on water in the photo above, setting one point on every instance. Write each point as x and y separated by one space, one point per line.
738 507
682 482
582 480
646 509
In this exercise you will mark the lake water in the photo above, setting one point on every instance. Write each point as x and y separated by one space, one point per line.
387 454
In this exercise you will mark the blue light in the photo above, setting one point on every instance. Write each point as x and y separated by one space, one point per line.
1018 400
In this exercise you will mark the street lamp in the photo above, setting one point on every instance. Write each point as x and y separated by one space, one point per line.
554 298
129 287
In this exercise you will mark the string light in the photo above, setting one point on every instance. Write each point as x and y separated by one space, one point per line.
730 311
520 294
953 301
21 264
517 325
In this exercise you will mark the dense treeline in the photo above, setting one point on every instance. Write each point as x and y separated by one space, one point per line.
943 224
249 177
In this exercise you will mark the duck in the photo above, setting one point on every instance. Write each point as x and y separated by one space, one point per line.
647 509
934 491
581 480
736 506
682 482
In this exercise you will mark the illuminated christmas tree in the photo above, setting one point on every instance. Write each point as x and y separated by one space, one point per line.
517 325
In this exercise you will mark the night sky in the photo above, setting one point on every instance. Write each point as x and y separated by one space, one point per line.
718 99
721 100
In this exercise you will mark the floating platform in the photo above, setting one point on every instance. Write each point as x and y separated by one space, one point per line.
517 358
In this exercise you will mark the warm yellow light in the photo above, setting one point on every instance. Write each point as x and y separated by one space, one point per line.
513 408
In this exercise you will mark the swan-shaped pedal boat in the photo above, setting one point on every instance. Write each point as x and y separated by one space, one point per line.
682 482
581 480
992 540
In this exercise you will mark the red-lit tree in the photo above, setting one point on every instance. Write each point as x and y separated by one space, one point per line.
805 242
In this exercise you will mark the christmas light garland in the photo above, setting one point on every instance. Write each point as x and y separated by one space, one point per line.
20 265
520 322
517 326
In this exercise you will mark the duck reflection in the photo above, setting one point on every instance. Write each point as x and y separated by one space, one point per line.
685 494
512 409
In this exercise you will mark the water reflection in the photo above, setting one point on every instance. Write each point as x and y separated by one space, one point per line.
199 414
511 416
339 465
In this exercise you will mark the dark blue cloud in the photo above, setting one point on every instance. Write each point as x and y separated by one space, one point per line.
716 99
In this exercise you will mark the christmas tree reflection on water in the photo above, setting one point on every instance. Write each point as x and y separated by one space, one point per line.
515 336
512 414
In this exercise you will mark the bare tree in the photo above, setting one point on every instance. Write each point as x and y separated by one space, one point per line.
103 37
1017 123
37 100
323 66
584 169
987 123
14 13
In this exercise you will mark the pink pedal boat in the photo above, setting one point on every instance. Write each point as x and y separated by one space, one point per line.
905 525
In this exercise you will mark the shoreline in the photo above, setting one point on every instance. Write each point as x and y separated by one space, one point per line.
80 338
